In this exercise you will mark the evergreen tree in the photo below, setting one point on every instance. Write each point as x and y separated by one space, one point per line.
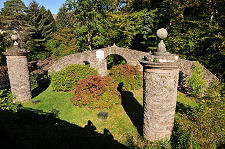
40 25
14 14
197 32
63 43
64 18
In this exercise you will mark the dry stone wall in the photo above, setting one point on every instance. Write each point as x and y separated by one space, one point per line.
185 72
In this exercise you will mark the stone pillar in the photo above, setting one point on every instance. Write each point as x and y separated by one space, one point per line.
160 76
18 73
100 66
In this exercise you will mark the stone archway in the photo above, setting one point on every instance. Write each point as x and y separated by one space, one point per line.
131 56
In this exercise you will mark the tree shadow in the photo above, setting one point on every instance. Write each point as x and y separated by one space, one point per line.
183 109
43 84
132 107
29 128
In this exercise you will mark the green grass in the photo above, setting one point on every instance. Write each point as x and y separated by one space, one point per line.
118 122
186 100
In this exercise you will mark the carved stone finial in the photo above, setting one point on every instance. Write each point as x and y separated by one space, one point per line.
15 43
162 34
14 37
161 47
114 45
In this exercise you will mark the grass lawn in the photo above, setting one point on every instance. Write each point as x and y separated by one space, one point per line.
123 120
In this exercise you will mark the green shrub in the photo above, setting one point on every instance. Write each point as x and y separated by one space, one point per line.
195 83
67 78
96 92
33 81
182 139
6 101
215 89
128 75
207 122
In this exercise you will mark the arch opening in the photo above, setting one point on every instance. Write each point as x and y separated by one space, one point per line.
115 59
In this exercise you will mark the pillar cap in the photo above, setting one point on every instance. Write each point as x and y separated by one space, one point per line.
161 58
15 52
158 65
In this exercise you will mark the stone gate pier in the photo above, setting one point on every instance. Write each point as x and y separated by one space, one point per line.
18 72
160 76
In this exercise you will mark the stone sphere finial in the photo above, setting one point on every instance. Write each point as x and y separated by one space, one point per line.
162 33
15 43
14 37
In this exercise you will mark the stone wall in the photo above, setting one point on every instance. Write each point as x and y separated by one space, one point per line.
185 72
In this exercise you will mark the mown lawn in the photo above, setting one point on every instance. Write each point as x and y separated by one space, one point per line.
123 119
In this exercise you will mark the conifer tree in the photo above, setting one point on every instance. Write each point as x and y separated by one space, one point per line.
40 25
14 14
64 18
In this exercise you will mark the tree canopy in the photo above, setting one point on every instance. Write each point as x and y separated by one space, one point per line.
91 24
14 13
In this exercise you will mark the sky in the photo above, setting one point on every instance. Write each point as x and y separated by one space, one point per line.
53 5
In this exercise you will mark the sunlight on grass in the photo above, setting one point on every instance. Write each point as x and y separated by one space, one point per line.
183 98
118 122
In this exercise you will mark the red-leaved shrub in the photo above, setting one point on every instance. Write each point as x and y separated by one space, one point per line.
96 92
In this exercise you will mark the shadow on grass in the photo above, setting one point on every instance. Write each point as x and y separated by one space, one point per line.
43 84
181 138
183 109
133 108
32 129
